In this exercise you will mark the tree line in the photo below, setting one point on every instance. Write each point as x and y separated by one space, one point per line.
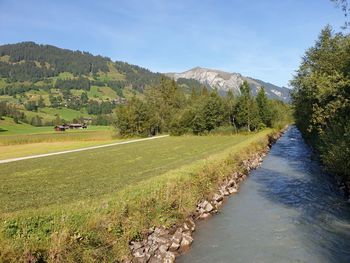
321 99
166 108
138 77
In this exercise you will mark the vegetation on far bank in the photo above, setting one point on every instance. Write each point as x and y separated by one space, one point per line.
322 99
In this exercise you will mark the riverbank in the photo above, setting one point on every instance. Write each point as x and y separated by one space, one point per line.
289 209
162 244
87 206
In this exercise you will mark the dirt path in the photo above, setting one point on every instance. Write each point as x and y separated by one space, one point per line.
79 150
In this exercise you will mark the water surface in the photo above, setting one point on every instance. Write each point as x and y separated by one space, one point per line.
288 210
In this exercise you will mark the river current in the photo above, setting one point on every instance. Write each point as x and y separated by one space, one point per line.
288 210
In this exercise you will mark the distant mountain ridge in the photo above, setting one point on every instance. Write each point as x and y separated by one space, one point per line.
26 66
29 62
225 81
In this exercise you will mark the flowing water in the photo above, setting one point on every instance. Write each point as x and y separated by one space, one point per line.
288 210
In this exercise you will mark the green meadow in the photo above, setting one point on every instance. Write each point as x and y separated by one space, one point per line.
109 196
9 128
91 174
19 140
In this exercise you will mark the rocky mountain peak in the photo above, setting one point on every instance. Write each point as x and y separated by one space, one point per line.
225 81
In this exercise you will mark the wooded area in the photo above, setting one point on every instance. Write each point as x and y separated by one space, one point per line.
321 98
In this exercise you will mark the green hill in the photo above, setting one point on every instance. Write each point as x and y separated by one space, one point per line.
47 81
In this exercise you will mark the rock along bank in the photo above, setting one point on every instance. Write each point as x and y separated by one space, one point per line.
164 244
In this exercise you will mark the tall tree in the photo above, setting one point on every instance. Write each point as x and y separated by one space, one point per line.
247 113
264 108
213 110
132 119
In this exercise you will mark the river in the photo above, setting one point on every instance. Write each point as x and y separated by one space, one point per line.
288 210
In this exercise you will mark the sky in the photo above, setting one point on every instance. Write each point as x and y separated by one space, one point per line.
264 39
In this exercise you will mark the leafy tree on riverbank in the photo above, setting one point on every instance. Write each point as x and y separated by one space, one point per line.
322 99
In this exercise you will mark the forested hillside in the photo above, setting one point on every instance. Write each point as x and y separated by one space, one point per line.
46 85
322 99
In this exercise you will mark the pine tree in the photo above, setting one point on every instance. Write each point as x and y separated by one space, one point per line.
264 108
213 110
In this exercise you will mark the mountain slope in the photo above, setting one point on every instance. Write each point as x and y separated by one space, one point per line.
225 81
28 61
43 81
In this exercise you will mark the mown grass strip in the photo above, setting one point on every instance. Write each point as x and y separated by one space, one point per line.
22 150
78 150
84 175
56 137
98 230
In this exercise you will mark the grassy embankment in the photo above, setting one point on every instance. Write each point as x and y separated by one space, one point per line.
86 206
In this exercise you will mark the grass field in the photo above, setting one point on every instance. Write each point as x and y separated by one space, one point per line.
9 127
19 140
102 93
49 136
73 177
22 150
87 206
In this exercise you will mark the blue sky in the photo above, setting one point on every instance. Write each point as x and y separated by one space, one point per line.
263 39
